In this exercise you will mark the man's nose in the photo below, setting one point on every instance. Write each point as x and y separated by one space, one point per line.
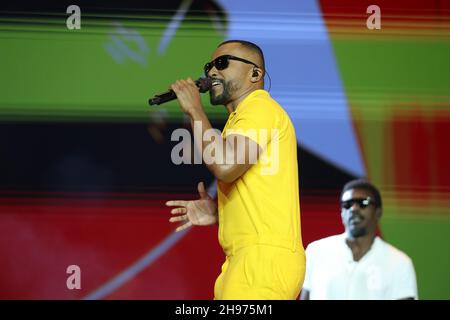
212 73
355 206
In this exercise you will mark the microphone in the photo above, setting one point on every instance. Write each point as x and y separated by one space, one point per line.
203 84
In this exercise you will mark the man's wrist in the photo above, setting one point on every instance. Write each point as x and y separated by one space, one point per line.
196 113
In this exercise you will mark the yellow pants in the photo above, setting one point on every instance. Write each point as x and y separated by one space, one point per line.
261 272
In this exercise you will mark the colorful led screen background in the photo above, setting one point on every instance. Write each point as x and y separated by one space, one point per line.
85 161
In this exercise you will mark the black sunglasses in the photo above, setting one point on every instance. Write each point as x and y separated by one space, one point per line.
362 203
222 63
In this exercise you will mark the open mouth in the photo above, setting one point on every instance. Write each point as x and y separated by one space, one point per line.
355 220
216 83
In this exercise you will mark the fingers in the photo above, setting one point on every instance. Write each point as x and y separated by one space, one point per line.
176 203
181 84
178 211
179 218
201 190
182 210
177 86
184 226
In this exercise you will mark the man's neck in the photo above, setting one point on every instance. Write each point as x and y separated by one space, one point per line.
232 105
360 245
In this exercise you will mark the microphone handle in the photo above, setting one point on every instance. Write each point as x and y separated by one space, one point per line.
162 98
203 85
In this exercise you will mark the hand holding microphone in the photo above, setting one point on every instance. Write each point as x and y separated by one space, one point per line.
183 89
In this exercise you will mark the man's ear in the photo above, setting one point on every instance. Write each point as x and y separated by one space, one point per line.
378 213
256 74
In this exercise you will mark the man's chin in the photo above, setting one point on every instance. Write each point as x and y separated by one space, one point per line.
216 100
358 232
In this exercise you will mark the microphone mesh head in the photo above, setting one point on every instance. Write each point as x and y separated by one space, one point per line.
203 84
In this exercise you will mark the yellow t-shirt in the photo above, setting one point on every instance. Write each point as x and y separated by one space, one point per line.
262 206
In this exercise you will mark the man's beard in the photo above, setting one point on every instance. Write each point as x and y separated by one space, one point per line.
358 232
222 99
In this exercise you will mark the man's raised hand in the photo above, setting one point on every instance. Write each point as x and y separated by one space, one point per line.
201 212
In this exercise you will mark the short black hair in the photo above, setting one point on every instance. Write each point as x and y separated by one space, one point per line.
252 47
365 185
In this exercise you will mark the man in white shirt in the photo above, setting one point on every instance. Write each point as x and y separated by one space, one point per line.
358 264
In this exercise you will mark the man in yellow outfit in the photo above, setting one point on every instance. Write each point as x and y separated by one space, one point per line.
255 163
